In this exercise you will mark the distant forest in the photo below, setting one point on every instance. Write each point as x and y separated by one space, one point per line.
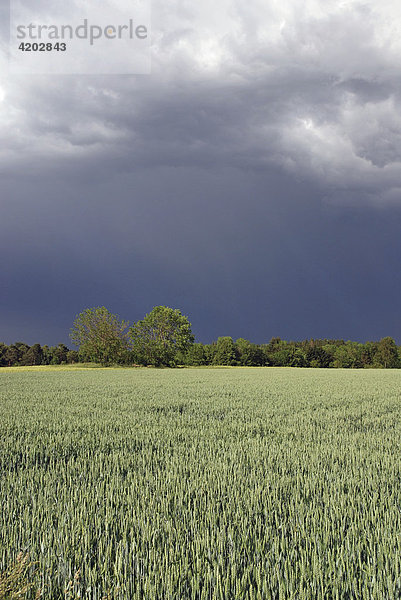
326 353
164 338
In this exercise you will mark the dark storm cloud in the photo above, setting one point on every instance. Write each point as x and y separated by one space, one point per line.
314 90
253 180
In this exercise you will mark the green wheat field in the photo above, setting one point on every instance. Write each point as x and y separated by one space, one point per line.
192 484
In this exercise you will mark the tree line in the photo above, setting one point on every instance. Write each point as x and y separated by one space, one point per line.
21 354
164 338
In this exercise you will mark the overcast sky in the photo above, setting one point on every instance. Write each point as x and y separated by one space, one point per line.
252 180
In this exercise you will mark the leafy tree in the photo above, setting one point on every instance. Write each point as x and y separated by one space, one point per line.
60 354
275 345
195 355
11 356
225 351
298 358
72 357
276 352
15 352
264 350
47 355
100 335
287 355
249 355
280 358
210 351
342 357
291 356
348 356
160 336
33 356
317 357
368 352
386 355
3 352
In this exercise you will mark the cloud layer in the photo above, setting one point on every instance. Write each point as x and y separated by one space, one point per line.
311 88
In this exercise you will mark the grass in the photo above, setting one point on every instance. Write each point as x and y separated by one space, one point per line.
195 484
16 581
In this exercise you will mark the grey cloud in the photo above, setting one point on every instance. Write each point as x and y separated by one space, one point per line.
312 89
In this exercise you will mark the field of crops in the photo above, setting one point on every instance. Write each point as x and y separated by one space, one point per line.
203 483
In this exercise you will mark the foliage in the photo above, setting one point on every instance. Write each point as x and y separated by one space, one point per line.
160 336
20 354
33 355
225 352
72 356
164 338
195 356
100 335
387 354
317 356
248 354
259 483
